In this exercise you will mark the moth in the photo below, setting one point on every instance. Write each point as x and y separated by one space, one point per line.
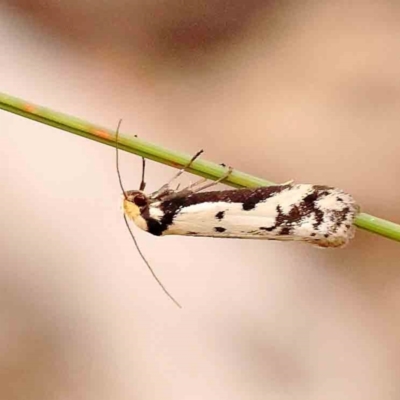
316 214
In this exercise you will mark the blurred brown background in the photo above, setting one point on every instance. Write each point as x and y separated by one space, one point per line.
305 90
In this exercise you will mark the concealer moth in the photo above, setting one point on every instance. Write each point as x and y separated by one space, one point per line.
316 214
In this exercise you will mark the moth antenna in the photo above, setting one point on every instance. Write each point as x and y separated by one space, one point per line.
117 159
148 265
142 186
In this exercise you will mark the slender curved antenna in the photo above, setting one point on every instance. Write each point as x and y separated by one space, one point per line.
142 185
148 265
117 159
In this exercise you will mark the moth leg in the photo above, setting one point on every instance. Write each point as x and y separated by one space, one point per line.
197 183
287 182
182 170
213 183
166 187
173 194
142 182
190 189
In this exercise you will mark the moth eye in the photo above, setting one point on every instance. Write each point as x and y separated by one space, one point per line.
140 201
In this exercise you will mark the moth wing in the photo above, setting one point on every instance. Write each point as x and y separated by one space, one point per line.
230 220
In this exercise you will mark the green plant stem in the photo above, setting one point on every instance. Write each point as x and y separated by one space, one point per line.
379 226
175 159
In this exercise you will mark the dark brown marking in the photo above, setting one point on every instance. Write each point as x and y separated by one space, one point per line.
220 215
228 196
284 222
219 229
308 207
268 229
310 198
154 227
249 204
285 231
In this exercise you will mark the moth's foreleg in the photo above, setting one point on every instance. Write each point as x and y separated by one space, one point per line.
193 185
182 170
142 182
186 190
164 189
290 182
213 183
142 185
192 188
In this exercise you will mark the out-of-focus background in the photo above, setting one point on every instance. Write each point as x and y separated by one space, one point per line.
305 90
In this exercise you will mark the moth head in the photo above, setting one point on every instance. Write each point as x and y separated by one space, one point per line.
135 203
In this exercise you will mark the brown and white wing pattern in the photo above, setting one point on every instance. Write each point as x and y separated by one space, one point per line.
316 214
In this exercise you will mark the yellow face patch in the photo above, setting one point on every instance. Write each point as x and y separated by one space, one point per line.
132 211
